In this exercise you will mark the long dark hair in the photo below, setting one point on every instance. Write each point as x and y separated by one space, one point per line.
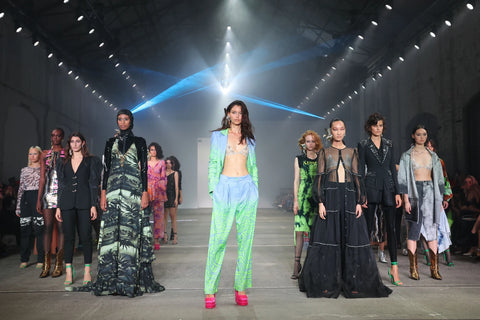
158 149
84 150
172 161
176 163
246 127
373 120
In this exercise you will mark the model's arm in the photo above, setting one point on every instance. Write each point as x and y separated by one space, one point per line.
175 176
213 164
402 181
41 185
359 184
21 188
361 160
393 170
107 158
296 184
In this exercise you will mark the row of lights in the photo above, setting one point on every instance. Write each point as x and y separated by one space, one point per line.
226 78
379 74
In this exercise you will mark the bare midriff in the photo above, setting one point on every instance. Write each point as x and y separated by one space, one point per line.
235 165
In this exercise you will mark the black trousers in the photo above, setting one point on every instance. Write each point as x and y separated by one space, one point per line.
31 227
81 219
389 214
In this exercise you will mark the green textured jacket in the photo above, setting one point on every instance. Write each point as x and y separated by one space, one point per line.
218 146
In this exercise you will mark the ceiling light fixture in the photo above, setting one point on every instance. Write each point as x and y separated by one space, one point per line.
469 6
375 23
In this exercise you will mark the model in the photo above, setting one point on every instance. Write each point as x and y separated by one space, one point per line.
339 258
78 181
380 176
421 182
304 207
172 199
47 202
31 222
157 184
233 186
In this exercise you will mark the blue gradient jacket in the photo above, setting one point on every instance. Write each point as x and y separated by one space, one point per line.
218 146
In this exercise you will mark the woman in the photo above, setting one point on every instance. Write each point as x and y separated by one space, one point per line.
31 222
172 199
233 186
125 251
47 199
305 169
78 180
421 182
376 154
339 257
176 165
157 180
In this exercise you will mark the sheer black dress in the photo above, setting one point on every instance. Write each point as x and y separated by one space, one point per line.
339 257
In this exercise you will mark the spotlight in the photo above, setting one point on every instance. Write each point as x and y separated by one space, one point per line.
448 23
360 37
86 86
19 29
93 91
36 43
469 6
229 28
134 85
110 56
323 79
380 75
355 91
389 68
117 64
363 87
60 63
388 6
128 77
328 74
432 34
373 78
143 97
416 46
80 17
401 58
375 23
124 72
50 55
111 104
70 72
342 102
76 77
100 97
350 97
333 68
228 43
2 14
350 47
101 44
65 1
91 31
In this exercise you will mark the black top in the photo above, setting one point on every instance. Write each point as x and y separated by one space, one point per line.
80 189
125 140
381 173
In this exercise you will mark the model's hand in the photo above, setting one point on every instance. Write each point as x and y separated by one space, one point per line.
445 205
365 205
295 207
144 202
93 213
180 198
103 201
398 201
408 207
322 211
18 213
175 203
39 207
358 211
58 215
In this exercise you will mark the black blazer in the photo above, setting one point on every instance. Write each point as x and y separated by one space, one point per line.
78 190
381 174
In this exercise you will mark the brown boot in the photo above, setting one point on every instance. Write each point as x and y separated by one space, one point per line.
413 265
58 271
434 266
46 266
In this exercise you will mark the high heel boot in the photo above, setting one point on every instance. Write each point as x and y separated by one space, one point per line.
413 265
434 266
58 270
46 265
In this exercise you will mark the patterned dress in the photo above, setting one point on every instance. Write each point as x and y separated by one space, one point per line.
306 204
125 247
157 188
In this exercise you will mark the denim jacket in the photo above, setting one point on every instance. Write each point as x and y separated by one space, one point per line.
406 181
218 147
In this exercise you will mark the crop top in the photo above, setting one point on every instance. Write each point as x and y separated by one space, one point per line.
243 150
417 166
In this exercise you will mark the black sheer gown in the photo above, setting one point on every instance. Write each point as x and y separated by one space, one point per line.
339 257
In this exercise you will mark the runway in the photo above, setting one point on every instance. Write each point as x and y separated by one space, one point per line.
180 268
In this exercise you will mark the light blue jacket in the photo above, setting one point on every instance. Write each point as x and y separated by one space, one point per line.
218 147
406 181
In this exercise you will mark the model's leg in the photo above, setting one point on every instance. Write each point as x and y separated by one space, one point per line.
47 241
389 214
370 217
69 218
222 220
85 233
246 214
25 237
173 218
165 224
298 254
433 245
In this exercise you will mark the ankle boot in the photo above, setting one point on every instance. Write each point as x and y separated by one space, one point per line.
434 266
58 270
46 266
413 265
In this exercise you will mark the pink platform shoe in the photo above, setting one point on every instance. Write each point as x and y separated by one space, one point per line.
210 302
241 299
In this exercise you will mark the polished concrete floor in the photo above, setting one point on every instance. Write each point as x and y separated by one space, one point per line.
180 269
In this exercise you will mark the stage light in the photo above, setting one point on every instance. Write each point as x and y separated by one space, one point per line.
360 37
65 1
101 44
111 104
228 43
380 75
375 23
229 28
100 97
373 78
86 86
110 56
448 23
333 68
350 97
70 72
50 55
93 91
469 6
124 72
363 87
127 77
389 68
323 79
60 63
350 47
117 64
388 6
328 74
76 77
416 46
91 31
355 91
80 17
432 34
36 43
19 29
2 14
401 58
342 102
134 85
